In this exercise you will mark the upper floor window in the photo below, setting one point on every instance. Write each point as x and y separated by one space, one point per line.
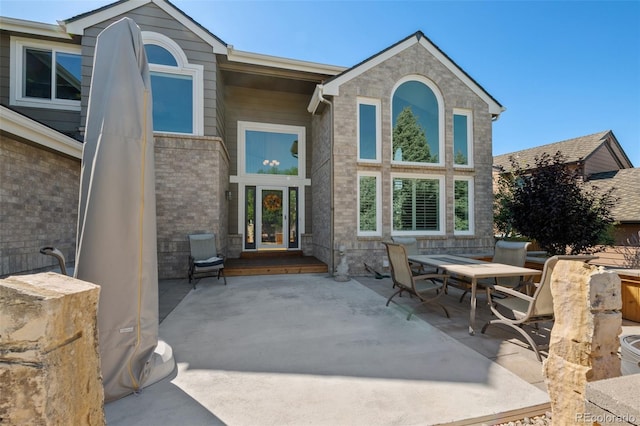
417 122
176 87
45 74
462 138
369 130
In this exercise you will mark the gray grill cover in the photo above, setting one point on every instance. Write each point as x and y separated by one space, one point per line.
116 246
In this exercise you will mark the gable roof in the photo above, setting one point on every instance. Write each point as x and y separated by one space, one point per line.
625 183
78 23
573 150
331 87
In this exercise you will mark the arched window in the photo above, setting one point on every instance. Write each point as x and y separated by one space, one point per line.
417 122
176 86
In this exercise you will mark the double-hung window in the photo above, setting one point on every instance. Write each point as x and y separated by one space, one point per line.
369 130
463 206
46 75
462 138
369 204
176 85
417 204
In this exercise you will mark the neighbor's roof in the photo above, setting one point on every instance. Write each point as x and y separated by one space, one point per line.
572 149
626 183
331 87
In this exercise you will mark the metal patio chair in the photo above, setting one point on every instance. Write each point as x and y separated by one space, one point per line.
204 259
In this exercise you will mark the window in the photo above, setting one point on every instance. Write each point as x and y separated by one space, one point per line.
418 204
463 206
176 86
417 122
270 149
369 218
462 138
45 75
369 130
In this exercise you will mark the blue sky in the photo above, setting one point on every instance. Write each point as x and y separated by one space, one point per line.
562 69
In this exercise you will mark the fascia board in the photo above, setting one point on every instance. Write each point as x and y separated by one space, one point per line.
218 47
494 108
78 26
332 88
33 28
23 127
315 99
283 63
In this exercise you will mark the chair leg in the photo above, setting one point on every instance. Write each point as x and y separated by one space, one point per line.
394 295
520 330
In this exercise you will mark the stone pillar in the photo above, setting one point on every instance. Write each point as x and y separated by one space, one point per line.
584 340
49 358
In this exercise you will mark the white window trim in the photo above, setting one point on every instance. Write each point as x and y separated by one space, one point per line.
441 125
469 114
378 105
441 203
378 231
471 205
242 203
195 71
251 178
17 46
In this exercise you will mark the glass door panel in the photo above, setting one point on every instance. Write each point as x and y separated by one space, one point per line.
273 219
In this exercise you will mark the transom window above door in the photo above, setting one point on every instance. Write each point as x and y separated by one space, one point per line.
271 150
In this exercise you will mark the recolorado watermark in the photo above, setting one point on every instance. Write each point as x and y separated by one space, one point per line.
605 418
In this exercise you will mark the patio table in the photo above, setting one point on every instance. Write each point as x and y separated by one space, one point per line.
473 269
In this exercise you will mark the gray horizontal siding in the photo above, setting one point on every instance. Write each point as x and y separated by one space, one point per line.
151 18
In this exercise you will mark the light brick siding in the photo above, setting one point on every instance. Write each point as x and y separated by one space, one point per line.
39 191
39 207
192 175
321 186
378 83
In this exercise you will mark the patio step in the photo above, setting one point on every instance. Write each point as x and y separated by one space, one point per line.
272 263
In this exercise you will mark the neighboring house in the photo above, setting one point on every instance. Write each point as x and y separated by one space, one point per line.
268 153
601 162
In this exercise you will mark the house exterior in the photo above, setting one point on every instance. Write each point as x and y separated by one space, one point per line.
602 163
269 153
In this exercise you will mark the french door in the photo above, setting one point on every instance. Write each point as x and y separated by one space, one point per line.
271 218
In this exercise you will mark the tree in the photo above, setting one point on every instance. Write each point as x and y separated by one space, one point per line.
550 205
410 140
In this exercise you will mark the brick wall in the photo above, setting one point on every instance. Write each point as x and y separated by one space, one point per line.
378 83
192 174
39 206
39 192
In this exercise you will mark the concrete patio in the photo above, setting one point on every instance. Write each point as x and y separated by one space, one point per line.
304 349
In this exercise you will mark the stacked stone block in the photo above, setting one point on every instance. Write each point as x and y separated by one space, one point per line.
49 358
584 340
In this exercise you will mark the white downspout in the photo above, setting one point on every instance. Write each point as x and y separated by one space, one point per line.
332 206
